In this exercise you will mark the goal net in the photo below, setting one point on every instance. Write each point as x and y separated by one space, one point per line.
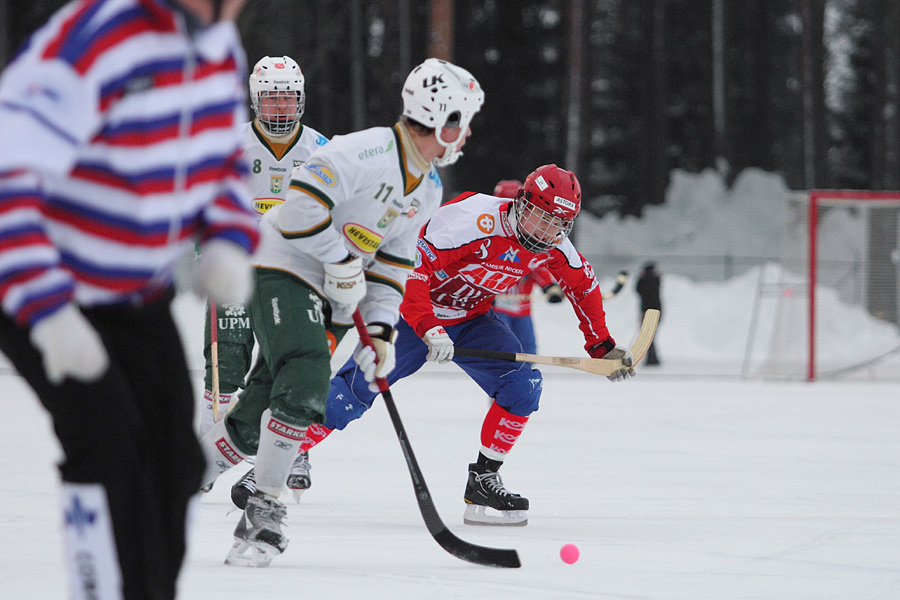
830 307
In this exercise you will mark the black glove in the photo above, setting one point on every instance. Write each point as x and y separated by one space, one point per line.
554 293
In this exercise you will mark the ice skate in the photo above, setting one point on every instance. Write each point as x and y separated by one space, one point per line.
242 489
299 480
489 503
258 537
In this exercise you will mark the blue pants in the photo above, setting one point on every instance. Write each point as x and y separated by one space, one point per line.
514 386
523 327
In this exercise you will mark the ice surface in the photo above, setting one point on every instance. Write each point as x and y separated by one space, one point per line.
671 486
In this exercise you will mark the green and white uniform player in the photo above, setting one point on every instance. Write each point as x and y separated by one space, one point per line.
344 237
275 142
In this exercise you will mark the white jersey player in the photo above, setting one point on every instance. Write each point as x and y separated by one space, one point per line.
274 143
345 236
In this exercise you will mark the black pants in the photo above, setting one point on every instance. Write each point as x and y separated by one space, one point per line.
131 432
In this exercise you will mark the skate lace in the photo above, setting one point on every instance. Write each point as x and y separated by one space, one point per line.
269 513
301 465
249 481
493 483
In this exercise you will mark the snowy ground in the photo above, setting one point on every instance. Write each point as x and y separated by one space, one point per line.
672 487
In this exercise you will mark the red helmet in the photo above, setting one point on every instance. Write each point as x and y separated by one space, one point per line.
507 188
546 208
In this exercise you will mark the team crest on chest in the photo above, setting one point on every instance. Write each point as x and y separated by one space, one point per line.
388 218
275 184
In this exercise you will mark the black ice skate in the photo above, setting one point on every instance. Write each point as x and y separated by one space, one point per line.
299 480
242 489
485 492
258 531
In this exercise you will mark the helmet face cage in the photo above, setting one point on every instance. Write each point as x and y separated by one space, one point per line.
537 229
274 77
546 207
439 94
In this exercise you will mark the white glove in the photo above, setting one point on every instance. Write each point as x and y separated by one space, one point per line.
440 346
380 361
345 282
224 273
70 346
624 354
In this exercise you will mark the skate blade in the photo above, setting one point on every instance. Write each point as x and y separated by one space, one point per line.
477 514
259 555
297 494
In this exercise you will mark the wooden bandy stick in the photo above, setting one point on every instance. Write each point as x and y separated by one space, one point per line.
214 359
597 366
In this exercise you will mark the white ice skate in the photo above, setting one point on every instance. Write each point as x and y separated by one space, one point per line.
259 532
299 480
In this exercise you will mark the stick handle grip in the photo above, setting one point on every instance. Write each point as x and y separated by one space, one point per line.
366 340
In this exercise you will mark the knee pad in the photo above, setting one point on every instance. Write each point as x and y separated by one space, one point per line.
344 405
520 392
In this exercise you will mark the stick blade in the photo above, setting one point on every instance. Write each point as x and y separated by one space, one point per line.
479 555
645 336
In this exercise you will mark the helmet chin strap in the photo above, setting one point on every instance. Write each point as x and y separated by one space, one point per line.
451 154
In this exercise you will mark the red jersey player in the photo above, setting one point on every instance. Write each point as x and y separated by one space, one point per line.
472 249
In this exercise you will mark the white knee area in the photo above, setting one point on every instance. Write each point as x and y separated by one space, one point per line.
91 556
279 444
220 452
206 411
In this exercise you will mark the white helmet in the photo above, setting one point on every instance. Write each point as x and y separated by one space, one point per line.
439 94
280 74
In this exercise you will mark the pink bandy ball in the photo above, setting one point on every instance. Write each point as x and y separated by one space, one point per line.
569 553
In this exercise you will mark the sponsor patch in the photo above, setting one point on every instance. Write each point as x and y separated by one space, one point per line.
413 208
564 203
322 172
448 313
426 249
228 452
511 255
262 205
486 223
369 152
364 239
288 431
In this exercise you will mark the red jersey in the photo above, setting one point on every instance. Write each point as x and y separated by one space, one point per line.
468 253
516 301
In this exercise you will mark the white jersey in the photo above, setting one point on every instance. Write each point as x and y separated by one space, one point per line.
270 174
362 193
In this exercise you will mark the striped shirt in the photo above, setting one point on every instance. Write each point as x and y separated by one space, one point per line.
121 149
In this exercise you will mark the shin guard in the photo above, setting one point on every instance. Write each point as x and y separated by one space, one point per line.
279 444
500 431
314 434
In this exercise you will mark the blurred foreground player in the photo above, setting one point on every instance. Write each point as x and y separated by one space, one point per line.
121 144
